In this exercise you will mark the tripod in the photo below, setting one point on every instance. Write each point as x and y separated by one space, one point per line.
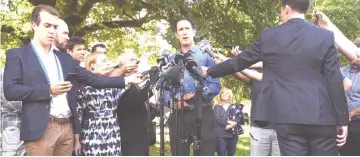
199 84
171 84
162 127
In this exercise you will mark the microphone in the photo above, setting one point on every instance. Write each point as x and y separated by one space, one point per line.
173 76
179 60
206 47
163 59
192 67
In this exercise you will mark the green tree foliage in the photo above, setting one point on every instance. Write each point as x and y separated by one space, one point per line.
134 24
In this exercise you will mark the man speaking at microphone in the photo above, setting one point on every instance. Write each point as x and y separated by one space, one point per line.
302 83
185 33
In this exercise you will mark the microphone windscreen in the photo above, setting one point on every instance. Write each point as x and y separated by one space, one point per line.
190 64
173 75
179 58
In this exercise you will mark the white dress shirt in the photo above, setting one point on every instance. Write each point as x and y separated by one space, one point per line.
59 103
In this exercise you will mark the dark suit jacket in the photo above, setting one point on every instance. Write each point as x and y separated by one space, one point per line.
24 80
133 116
302 82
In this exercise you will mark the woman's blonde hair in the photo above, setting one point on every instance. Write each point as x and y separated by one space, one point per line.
91 59
224 90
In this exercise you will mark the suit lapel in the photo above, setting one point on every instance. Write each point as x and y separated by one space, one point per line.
64 67
34 62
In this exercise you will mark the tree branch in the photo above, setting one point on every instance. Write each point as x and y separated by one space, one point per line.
7 29
87 6
46 2
112 24
10 30
73 5
127 15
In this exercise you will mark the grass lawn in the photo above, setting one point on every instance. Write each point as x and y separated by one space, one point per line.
243 148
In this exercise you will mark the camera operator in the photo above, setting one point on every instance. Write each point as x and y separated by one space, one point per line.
185 33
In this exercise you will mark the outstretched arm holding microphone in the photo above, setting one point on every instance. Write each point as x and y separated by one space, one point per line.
346 47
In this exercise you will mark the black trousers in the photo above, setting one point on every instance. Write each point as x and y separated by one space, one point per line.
208 138
352 145
134 149
306 140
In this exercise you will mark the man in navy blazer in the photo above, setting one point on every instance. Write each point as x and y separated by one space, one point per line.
302 83
34 74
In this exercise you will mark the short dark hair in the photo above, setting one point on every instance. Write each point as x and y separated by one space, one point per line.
75 40
93 49
184 19
35 15
299 5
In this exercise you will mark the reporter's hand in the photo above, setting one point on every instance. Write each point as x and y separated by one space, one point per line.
342 132
103 72
134 79
235 51
60 87
232 123
130 67
228 127
204 70
323 21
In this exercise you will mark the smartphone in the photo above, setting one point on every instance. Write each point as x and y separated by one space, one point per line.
71 77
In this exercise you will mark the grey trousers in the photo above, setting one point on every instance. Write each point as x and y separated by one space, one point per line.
263 142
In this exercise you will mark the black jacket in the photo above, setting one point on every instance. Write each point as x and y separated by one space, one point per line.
133 116
302 83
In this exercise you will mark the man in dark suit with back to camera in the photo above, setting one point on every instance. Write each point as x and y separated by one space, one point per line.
302 83
35 74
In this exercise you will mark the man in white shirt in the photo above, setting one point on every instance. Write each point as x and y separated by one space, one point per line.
36 75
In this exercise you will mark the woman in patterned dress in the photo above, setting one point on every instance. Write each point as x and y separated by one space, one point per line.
228 123
100 131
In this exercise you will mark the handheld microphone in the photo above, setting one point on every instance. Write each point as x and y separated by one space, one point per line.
173 75
179 60
192 67
206 47
163 59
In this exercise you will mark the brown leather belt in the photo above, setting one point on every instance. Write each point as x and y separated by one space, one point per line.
60 120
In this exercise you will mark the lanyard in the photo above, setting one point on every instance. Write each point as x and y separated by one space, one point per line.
43 66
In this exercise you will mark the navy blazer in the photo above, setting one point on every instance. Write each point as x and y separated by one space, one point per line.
25 80
302 82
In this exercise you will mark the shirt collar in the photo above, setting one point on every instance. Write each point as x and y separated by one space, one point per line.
40 50
55 48
193 50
